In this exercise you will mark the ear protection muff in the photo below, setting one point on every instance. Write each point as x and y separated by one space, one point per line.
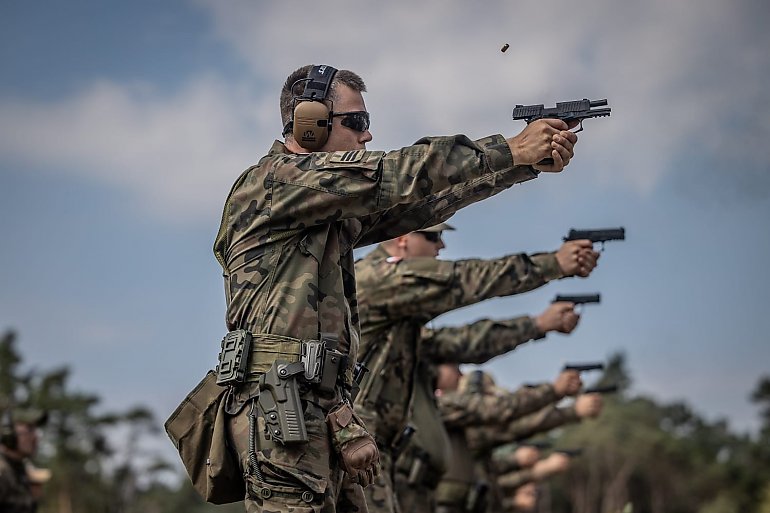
7 430
313 110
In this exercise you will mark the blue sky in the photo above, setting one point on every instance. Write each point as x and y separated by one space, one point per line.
123 125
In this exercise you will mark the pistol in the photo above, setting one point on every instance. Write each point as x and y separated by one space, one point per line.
605 389
280 404
599 235
540 445
583 367
576 110
578 299
570 452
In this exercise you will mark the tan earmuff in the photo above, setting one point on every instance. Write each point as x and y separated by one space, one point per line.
312 123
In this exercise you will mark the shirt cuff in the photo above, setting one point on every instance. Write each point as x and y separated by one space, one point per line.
500 158
548 265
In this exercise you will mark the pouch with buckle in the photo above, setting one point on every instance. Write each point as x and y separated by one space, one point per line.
197 428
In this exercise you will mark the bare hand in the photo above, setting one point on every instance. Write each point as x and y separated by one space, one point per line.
589 405
568 383
525 498
560 316
556 462
577 258
544 139
526 455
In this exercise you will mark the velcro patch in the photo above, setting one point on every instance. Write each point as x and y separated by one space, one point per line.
346 157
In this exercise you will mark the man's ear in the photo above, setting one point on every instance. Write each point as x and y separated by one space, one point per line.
401 241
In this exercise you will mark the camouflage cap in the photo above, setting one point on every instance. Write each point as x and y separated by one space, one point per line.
30 416
438 228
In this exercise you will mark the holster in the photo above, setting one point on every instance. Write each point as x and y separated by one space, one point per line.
277 363
280 404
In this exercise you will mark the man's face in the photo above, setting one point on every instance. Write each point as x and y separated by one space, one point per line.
342 138
448 378
424 244
26 439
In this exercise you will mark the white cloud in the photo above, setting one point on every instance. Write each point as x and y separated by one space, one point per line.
179 154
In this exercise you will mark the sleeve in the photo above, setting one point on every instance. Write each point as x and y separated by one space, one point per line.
466 409
484 438
428 287
407 189
477 342
515 478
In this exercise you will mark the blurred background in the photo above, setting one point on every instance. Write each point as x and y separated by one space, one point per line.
123 126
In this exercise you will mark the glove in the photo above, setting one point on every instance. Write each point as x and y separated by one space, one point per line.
356 448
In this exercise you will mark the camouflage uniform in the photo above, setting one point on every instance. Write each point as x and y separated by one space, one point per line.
397 297
484 438
15 494
479 403
286 242
499 446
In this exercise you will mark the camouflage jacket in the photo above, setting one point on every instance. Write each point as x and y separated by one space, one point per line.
398 297
15 495
291 221
486 404
479 402
485 438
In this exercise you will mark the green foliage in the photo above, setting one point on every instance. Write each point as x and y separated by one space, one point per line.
90 473
662 458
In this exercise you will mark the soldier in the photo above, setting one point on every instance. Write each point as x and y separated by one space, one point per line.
286 241
402 286
484 438
474 400
18 443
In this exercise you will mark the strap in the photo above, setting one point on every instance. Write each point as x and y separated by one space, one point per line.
267 348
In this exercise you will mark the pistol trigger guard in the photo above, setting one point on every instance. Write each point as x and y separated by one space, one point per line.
579 128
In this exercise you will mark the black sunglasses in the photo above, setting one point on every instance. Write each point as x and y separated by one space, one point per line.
355 120
431 236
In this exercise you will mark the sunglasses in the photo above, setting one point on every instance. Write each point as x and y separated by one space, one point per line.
355 120
431 236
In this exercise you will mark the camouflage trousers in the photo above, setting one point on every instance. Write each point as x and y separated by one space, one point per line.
293 478
414 498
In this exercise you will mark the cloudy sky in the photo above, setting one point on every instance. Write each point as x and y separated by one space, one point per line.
123 125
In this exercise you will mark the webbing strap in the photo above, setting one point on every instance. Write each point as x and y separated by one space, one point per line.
267 348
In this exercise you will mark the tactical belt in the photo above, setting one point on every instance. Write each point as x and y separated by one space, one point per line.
246 357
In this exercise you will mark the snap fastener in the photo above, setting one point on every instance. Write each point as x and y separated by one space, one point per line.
265 493
307 496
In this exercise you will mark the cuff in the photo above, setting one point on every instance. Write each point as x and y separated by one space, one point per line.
548 265
531 330
500 158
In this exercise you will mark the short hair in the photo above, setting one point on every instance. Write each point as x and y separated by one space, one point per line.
343 76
